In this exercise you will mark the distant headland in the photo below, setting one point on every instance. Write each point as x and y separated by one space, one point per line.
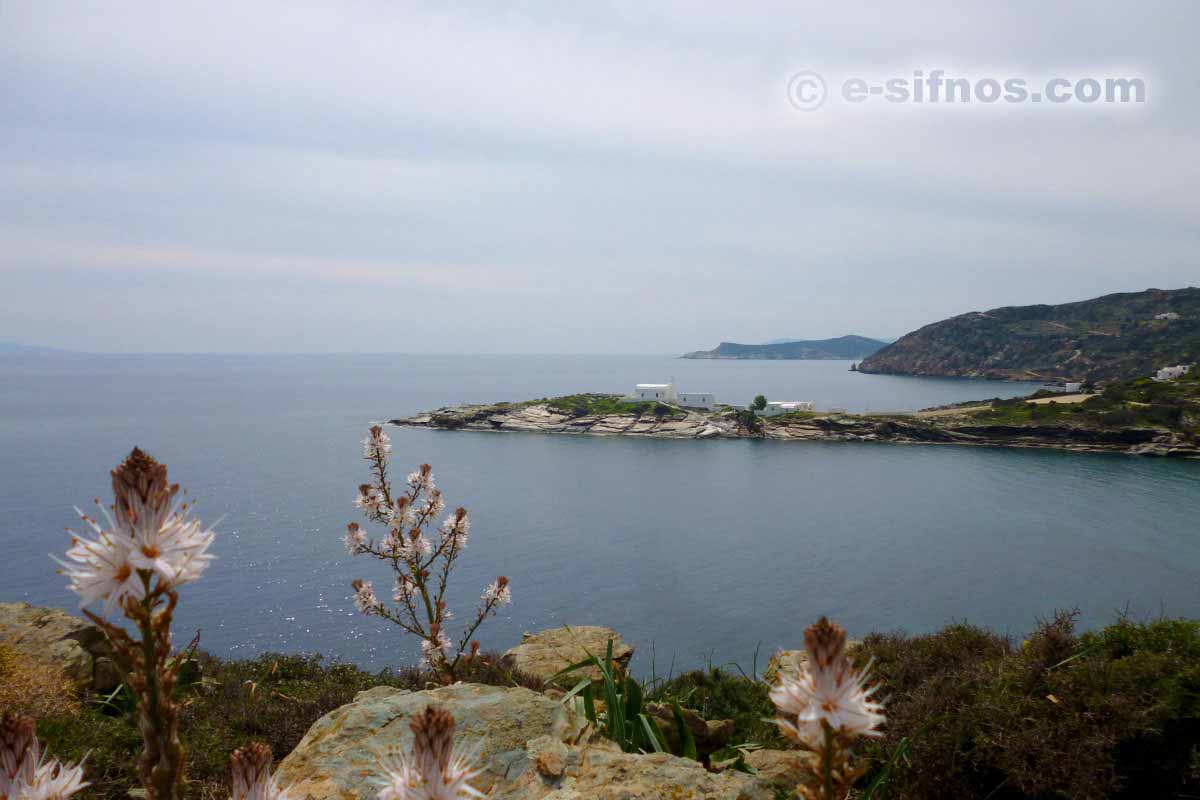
840 348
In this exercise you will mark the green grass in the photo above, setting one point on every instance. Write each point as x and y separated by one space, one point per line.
579 405
1144 403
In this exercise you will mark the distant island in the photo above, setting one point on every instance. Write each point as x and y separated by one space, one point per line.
1114 337
1147 416
841 348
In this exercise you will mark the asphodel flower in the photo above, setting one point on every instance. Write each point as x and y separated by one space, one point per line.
829 691
826 707
251 773
26 773
435 769
147 536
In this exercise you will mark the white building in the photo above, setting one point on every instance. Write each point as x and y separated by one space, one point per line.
705 400
667 393
664 392
1072 387
1167 316
776 407
1171 373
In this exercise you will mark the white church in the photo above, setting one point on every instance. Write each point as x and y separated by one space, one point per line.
666 393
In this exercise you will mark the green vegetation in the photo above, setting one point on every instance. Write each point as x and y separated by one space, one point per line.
719 694
272 698
580 405
1143 403
760 402
622 718
971 714
1115 337
1115 713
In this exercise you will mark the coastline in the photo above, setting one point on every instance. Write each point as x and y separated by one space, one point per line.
540 416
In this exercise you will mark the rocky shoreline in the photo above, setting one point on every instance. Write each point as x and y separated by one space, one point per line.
541 417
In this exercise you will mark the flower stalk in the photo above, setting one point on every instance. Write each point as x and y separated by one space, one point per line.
421 557
825 708
136 560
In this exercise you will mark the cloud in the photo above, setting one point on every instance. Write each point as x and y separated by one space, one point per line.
613 156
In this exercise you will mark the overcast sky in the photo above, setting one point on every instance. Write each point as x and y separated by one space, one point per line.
571 177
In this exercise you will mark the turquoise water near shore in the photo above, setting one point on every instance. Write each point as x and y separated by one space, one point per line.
696 550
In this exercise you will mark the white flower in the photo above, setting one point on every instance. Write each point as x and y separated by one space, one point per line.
377 446
28 774
404 590
371 500
355 539
827 691
402 516
421 545
429 649
434 505
498 592
147 532
364 597
101 568
422 479
457 528
251 772
435 769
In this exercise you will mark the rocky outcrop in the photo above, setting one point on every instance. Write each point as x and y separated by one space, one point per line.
51 635
599 771
710 735
540 417
339 756
546 653
792 662
531 747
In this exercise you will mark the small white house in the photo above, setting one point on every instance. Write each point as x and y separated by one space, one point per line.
663 392
1170 315
1072 387
1171 373
705 400
776 407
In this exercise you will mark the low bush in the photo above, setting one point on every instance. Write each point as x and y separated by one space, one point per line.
1115 713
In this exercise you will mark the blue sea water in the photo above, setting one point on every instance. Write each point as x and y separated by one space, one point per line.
695 551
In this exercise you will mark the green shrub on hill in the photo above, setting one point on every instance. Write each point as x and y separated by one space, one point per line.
1115 713
579 405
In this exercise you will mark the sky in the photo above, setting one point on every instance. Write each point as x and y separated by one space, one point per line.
381 176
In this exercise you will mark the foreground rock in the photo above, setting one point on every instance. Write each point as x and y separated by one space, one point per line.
599 771
55 637
792 662
531 747
339 756
546 653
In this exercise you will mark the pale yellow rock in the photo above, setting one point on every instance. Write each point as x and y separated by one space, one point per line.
599 771
546 653
56 637
339 757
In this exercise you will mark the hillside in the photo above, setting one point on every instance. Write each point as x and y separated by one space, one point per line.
1115 337
843 347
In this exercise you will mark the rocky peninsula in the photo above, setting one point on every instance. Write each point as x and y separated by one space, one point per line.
1092 426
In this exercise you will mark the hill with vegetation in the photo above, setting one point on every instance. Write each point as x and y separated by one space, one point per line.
1115 337
840 348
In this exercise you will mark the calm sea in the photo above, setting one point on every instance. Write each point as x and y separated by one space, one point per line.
698 550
